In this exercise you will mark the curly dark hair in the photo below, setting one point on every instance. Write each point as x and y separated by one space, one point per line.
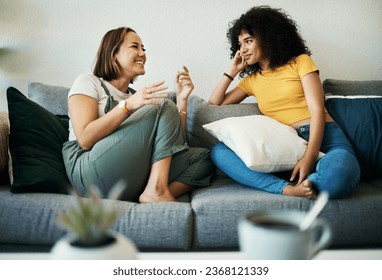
276 33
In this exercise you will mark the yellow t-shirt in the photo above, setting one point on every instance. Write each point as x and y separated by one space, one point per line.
279 93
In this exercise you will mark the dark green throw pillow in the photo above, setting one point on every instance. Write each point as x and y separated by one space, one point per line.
35 143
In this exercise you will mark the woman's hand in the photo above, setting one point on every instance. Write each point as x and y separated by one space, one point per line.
238 64
304 168
183 84
146 95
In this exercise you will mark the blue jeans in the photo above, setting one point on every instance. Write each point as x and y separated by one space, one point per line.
337 172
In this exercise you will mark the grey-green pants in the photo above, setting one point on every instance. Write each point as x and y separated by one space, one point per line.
149 135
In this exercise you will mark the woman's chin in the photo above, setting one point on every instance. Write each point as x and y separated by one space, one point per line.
141 72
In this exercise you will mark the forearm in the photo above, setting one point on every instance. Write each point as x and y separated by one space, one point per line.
218 94
317 127
100 128
182 107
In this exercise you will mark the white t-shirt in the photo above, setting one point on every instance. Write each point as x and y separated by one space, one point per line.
90 85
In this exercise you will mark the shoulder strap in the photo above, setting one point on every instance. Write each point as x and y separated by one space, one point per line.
132 90
110 103
105 88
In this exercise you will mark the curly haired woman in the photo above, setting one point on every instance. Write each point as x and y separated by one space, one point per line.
276 67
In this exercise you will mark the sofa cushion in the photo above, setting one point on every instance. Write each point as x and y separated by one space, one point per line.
262 143
35 143
355 220
31 218
360 117
199 112
52 98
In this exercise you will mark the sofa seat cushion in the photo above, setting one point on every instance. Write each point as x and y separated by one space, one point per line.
219 208
31 218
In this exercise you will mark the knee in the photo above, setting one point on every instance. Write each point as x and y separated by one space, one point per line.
342 173
165 107
167 104
218 152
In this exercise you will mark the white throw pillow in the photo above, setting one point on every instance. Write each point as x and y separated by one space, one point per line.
261 142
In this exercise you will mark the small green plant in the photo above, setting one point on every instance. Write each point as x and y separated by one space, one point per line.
88 220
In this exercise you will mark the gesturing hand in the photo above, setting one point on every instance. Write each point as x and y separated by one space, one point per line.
183 84
147 95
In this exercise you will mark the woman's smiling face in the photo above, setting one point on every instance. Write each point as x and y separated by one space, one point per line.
131 55
250 50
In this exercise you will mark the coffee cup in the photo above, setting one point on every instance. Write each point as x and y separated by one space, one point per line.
275 235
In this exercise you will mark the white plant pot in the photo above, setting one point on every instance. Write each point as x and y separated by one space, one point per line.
121 249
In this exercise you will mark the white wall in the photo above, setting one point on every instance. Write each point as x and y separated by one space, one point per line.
52 41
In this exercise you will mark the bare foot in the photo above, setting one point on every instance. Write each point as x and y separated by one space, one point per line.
152 196
305 189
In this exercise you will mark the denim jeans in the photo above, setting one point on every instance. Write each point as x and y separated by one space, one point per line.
337 172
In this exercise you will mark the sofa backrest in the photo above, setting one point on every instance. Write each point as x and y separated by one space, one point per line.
199 112
343 87
52 98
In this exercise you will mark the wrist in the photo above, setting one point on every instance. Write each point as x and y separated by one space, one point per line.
228 76
181 105
232 72
181 112
123 105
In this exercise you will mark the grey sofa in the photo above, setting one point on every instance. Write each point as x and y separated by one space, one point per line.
205 219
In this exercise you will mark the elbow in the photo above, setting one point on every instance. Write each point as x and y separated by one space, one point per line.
212 102
85 144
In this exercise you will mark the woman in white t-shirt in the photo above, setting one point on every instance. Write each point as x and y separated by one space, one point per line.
138 137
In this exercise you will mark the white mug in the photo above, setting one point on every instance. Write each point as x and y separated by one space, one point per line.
275 235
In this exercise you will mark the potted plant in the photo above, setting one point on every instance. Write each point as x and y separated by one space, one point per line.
89 224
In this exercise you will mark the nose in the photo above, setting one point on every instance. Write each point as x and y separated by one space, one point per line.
243 48
142 53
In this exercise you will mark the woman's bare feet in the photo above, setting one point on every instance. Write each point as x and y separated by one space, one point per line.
156 196
305 189
157 189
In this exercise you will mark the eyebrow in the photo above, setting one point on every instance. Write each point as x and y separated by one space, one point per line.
136 43
249 37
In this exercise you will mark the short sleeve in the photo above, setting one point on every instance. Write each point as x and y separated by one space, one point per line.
85 84
305 65
245 85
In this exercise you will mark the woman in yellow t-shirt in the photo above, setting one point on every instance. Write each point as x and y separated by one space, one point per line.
274 62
